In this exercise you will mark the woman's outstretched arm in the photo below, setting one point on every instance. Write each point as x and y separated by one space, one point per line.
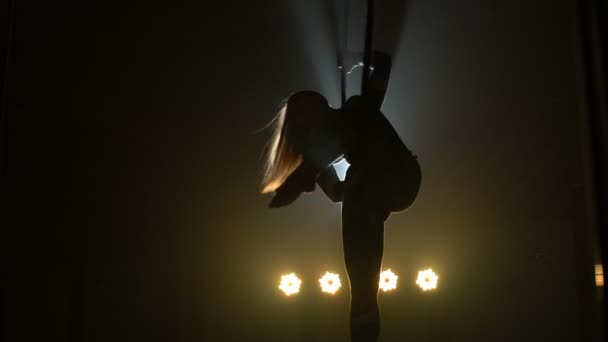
331 185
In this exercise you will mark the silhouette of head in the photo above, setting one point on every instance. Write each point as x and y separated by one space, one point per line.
302 130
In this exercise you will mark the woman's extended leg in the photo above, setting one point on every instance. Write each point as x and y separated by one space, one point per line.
363 239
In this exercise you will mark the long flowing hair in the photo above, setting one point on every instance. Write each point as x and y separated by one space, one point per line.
282 155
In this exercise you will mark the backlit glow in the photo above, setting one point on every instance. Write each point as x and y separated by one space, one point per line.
427 280
341 168
388 280
330 283
290 284
599 275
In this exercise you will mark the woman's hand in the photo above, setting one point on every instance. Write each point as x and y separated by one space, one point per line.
301 180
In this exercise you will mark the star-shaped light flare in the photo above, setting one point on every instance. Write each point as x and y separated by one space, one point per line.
427 280
388 280
330 283
290 284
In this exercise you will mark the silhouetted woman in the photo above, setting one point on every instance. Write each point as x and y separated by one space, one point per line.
308 138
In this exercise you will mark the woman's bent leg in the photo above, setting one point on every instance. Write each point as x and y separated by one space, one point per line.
363 239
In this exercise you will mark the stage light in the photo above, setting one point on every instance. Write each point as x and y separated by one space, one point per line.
599 275
330 283
290 284
427 280
388 280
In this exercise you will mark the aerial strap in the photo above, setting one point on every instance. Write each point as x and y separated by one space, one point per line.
368 50
344 54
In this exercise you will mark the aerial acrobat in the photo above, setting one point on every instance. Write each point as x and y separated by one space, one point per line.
309 137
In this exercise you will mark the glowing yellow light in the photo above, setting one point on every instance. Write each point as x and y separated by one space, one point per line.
599 275
330 283
388 280
290 284
427 280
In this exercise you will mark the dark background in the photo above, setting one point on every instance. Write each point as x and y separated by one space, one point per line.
131 171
